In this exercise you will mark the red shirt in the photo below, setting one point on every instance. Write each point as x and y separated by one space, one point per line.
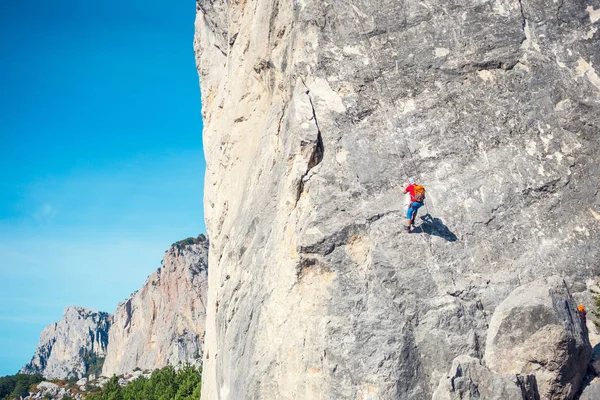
411 189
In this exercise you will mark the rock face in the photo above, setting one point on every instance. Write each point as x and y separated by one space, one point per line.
469 379
537 348
163 323
538 330
73 346
315 113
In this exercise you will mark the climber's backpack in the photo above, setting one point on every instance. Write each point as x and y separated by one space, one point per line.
419 194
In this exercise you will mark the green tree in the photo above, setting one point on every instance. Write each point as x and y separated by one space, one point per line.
21 388
189 382
112 390
135 389
13 386
161 385
164 384
7 385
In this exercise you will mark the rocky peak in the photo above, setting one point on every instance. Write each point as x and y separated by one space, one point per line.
73 347
163 322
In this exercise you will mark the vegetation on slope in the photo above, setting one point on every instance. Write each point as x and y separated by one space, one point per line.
93 364
164 384
13 386
189 241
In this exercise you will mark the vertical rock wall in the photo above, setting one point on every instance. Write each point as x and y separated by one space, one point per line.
66 347
317 112
163 323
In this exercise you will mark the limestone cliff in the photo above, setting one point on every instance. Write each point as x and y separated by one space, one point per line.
72 347
315 114
163 323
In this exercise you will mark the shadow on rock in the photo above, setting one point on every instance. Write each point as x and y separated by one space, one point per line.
435 227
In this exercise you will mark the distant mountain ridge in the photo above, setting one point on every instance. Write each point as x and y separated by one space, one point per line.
163 323
160 324
73 347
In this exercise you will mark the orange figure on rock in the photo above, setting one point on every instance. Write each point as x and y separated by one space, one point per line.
581 310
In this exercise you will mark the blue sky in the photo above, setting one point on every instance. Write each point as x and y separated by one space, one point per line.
101 160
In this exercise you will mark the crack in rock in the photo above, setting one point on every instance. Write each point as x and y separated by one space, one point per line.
317 154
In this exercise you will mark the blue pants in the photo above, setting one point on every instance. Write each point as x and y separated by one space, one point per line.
413 209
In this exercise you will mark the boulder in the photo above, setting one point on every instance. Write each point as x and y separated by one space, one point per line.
102 381
50 389
82 382
47 386
537 331
470 379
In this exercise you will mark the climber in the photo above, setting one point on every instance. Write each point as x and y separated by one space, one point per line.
417 197
581 310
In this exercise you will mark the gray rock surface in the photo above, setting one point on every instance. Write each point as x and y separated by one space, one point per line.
469 379
48 386
65 347
588 299
537 331
315 113
163 323
49 390
591 391
595 362
82 382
